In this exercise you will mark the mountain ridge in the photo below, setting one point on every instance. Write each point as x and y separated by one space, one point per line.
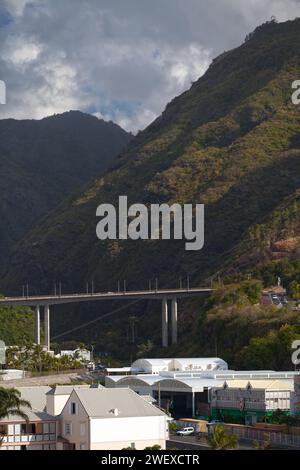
43 161
230 142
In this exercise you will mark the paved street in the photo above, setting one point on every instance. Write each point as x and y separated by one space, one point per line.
193 443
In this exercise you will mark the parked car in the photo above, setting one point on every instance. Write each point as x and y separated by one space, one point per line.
186 432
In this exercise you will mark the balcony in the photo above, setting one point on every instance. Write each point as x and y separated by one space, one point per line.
28 438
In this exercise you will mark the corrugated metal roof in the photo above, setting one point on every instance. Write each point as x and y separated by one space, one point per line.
100 403
37 398
65 389
262 384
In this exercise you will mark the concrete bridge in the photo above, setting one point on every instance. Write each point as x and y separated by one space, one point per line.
164 295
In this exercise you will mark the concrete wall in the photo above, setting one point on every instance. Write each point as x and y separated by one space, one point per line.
142 431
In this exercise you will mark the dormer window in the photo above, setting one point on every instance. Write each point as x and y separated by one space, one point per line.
73 408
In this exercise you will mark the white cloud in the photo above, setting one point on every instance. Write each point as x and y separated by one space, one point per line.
16 7
120 60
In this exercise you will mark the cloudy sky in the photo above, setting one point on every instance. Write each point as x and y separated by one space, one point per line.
118 59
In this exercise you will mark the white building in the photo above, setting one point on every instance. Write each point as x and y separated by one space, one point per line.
84 417
57 397
81 354
11 374
187 392
106 419
155 366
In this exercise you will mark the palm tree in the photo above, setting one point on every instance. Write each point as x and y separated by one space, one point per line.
221 440
11 403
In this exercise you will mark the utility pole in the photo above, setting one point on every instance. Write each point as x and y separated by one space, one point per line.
159 397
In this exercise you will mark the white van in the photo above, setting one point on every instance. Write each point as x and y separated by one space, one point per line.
186 432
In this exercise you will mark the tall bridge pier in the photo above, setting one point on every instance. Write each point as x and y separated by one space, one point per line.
165 296
165 322
46 326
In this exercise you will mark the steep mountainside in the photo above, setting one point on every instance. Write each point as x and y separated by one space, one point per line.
230 142
41 162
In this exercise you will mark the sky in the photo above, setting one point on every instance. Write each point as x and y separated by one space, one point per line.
121 60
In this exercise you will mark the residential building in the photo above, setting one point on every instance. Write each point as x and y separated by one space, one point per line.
84 417
112 419
39 433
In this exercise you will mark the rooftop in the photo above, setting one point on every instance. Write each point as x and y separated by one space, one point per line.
100 403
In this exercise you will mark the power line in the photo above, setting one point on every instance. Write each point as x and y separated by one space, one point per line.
96 319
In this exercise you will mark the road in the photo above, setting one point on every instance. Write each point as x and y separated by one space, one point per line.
193 443
89 297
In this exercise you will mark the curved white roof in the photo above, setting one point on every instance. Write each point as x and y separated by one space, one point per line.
204 363
194 384
198 363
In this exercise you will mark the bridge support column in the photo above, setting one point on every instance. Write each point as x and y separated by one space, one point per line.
47 327
164 322
37 333
174 321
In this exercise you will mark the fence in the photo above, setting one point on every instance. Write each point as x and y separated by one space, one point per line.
262 435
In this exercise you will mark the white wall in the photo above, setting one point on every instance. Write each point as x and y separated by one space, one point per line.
117 433
55 404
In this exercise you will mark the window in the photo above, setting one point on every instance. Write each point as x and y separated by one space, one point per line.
82 429
46 428
31 428
68 428
52 428
23 429
73 408
3 429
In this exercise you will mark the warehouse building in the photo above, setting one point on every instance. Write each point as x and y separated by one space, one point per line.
212 391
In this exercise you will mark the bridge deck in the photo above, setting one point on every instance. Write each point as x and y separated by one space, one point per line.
89 297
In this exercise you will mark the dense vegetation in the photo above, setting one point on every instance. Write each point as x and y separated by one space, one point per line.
230 142
16 325
43 162
34 359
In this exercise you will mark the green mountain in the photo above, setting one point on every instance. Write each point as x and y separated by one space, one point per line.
42 162
232 142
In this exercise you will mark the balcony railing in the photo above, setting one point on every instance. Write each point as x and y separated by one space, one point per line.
26 438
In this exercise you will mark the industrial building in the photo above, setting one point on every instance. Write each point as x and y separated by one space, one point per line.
204 387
